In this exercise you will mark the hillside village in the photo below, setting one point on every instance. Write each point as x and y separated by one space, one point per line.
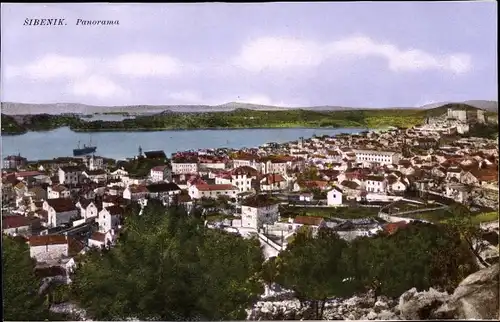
356 184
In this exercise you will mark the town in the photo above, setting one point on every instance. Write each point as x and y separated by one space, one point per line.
357 185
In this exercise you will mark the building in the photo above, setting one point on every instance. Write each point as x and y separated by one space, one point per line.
244 178
100 240
58 191
69 175
109 218
334 197
135 192
88 209
48 248
16 225
161 173
14 162
270 165
184 166
212 191
273 182
376 184
259 210
246 160
380 157
59 211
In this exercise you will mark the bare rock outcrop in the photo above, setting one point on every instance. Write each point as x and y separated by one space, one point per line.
476 297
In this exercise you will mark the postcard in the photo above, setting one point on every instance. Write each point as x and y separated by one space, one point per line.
249 161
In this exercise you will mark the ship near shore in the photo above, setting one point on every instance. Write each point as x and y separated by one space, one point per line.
85 150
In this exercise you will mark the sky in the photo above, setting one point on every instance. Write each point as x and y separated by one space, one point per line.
357 54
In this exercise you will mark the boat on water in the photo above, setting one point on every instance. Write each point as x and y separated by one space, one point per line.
87 149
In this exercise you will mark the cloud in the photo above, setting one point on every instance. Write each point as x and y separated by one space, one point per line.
278 53
145 65
284 53
50 67
97 86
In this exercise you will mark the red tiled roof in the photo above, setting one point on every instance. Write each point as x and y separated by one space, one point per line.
98 236
215 187
391 228
15 222
61 204
308 220
28 173
47 240
273 178
159 168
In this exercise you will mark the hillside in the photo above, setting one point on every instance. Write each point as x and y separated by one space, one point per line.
10 108
490 106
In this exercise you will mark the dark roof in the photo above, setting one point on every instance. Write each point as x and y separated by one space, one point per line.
259 201
15 222
84 203
61 204
245 170
162 187
115 210
50 271
72 169
95 172
308 220
155 154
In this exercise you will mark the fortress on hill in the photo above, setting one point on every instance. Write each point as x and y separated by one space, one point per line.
466 116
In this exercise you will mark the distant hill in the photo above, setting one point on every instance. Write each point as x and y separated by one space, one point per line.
10 108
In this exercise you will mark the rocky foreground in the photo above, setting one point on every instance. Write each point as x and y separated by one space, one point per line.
476 297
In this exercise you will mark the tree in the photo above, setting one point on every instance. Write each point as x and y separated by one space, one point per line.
469 232
167 266
21 300
420 255
312 267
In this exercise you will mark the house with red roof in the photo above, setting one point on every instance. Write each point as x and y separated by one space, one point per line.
273 181
100 239
16 225
391 228
244 178
161 173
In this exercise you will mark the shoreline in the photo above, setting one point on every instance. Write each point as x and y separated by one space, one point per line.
192 129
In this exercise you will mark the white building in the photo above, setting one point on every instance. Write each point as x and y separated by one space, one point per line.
273 166
109 218
87 209
179 167
59 211
69 175
247 161
259 210
48 248
375 184
212 191
58 191
374 156
458 192
99 239
241 177
334 197
161 173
